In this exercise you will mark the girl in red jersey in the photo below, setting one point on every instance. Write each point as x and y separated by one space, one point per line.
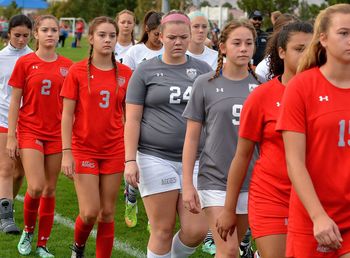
93 135
37 80
269 187
314 121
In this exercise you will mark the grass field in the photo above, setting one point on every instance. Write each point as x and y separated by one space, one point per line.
129 242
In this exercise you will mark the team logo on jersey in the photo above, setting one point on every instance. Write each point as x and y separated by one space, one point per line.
121 81
323 98
64 71
252 86
192 73
87 164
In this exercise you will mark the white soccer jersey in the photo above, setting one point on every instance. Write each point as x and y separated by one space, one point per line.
139 53
120 52
8 58
262 69
209 56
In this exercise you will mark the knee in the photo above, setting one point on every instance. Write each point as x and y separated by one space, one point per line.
49 191
6 169
18 175
89 217
107 214
227 251
35 191
193 235
163 234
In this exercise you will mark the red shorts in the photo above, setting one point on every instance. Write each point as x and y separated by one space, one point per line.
98 166
3 129
267 208
46 147
306 246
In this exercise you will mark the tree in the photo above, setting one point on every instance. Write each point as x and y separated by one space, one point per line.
204 4
331 2
11 10
228 5
268 6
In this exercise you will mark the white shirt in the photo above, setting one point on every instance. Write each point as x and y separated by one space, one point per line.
262 69
209 56
139 53
120 51
8 58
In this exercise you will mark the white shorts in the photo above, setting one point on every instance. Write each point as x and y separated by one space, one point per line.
159 175
210 198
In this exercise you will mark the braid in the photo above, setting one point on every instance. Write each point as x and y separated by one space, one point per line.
88 67
219 66
114 62
250 69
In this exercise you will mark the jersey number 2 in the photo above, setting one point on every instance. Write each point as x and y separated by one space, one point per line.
45 88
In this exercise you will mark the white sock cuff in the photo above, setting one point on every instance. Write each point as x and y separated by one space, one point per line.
150 254
179 249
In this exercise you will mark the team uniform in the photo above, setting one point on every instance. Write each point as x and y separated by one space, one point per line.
98 130
139 53
313 106
209 56
163 90
269 190
262 69
39 123
120 51
8 58
217 104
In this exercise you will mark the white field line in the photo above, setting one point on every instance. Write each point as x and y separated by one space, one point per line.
118 245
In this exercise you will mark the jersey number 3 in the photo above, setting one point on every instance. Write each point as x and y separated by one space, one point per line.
106 95
45 88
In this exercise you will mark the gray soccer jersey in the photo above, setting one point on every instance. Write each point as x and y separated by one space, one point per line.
217 105
164 91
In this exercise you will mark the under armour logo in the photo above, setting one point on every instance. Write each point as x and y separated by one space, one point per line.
92 76
278 104
323 98
219 90
44 238
159 74
35 67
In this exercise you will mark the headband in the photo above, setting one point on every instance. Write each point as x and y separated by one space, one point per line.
195 14
176 17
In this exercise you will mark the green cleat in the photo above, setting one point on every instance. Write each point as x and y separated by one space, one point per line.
43 252
130 214
25 243
209 247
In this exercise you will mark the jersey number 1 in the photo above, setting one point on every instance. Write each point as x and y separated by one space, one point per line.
341 142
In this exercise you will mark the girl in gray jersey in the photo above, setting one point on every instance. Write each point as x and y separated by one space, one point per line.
154 134
215 104
11 170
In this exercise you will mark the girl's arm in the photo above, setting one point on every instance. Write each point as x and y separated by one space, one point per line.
189 155
12 146
68 166
226 222
131 138
326 231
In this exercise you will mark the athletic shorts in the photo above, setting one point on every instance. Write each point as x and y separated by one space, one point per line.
306 246
95 166
32 142
159 175
267 217
3 129
212 198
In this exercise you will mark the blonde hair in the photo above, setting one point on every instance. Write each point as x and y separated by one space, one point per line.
316 54
93 25
117 19
231 26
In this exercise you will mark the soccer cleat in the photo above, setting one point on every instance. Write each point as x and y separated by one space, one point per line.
77 252
209 247
256 254
130 214
149 227
7 222
25 243
245 250
43 252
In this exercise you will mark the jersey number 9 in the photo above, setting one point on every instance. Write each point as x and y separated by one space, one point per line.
236 113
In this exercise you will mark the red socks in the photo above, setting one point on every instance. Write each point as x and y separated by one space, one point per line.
81 232
30 212
104 240
46 216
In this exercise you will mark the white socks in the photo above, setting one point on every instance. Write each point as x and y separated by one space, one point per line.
179 250
150 254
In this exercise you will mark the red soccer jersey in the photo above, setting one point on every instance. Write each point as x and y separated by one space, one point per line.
41 83
258 122
313 106
98 129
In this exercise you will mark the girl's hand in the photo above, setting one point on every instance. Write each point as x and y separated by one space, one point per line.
131 173
68 164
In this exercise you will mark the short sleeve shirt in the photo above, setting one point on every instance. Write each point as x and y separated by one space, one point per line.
41 82
217 104
313 106
139 53
209 56
98 128
164 91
